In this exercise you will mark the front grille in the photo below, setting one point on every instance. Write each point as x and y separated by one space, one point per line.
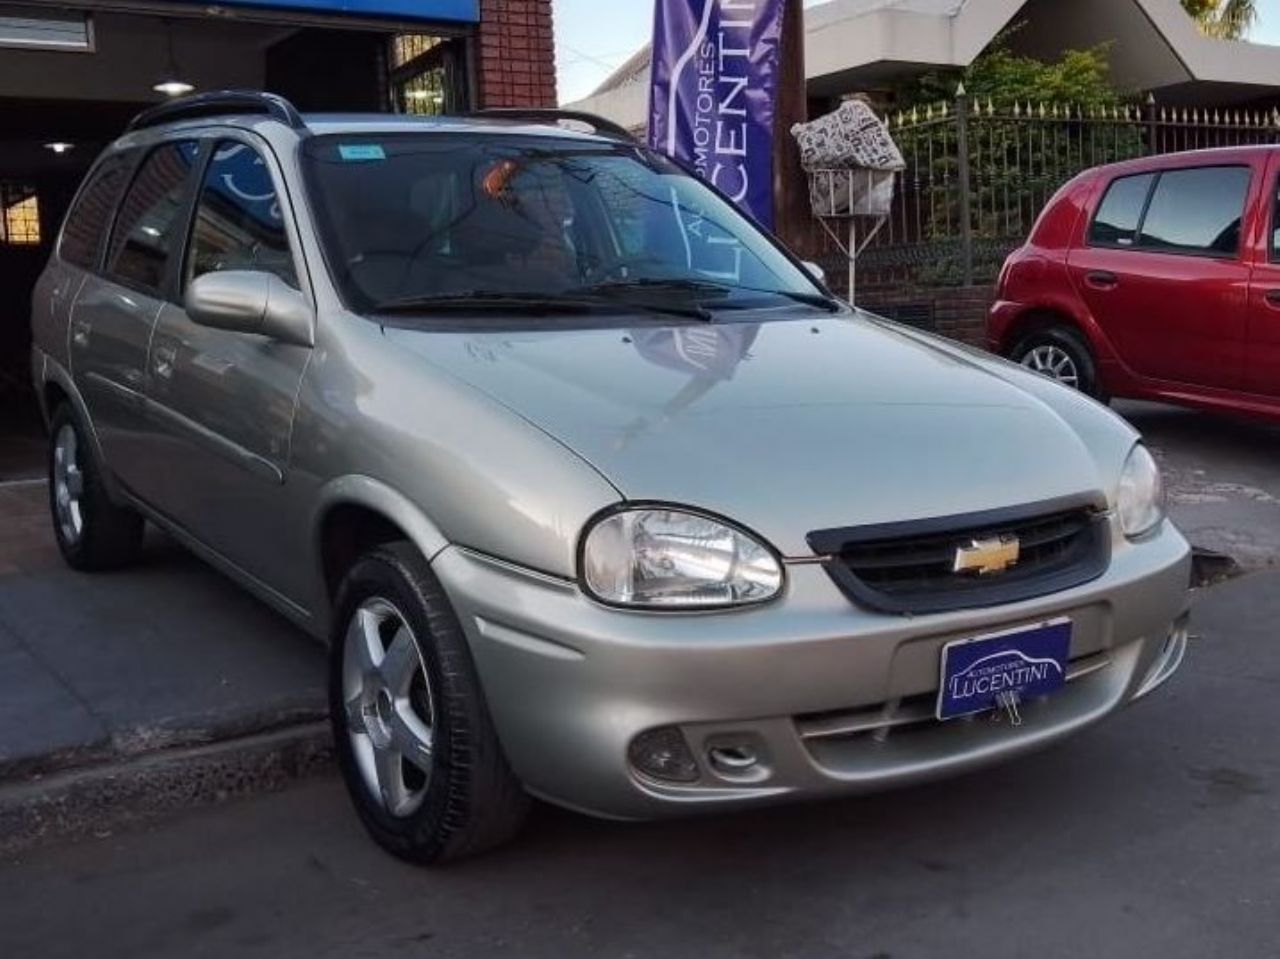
910 567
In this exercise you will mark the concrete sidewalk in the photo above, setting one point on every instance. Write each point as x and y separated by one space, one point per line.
97 671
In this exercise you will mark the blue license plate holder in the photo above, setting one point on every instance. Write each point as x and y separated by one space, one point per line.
978 673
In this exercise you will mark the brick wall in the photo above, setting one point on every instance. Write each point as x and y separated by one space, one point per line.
957 312
516 49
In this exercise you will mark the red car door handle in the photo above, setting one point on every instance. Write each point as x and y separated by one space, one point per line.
1101 279
1273 298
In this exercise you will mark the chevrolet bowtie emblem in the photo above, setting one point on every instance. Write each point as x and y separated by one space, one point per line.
988 556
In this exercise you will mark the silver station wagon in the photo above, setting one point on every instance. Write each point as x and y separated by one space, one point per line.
595 492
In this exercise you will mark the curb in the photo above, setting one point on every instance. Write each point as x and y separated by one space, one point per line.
97 799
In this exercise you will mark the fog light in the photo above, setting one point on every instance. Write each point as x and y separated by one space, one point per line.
734 760
663 754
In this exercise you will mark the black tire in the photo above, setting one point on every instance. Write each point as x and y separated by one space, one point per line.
1073 345
108 536
471 801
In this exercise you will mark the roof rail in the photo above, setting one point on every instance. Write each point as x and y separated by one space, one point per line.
598 125
219 103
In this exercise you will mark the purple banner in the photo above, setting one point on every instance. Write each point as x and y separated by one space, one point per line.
715 80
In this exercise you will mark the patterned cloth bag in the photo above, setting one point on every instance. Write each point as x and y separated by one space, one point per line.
851 161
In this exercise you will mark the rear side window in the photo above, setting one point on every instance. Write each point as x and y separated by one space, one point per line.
239 224
1121 211
148 228
88 219
1197 211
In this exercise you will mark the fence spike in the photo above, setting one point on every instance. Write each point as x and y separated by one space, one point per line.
943 108
1017 109
991 107
1042 110
915 115
928 111
977 107
1164 114
1238 120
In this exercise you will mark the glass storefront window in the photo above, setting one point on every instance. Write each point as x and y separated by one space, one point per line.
410 46
20 225
427 75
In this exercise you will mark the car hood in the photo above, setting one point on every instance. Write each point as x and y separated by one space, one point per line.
786 426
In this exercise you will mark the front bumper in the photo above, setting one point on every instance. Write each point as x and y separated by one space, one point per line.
831 698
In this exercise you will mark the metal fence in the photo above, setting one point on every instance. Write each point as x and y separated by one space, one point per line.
979 173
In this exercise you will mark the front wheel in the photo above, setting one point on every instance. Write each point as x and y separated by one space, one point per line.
412 731
1062 355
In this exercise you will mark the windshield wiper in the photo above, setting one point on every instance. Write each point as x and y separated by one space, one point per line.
674 284
484 299
573 301
708 287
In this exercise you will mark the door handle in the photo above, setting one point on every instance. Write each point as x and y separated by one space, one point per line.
1273 298
1102 279
165 357
80 333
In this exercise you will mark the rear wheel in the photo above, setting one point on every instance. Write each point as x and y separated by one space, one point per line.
1061 354
412 731
93 533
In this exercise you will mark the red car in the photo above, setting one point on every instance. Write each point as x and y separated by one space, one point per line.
1155 279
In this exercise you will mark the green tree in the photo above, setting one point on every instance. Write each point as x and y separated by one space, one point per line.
1226 19
1079 77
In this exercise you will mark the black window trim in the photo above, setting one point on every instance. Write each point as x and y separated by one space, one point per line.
167 291
1137 246
1273 250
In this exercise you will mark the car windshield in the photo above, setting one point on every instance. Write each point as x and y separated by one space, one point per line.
412 223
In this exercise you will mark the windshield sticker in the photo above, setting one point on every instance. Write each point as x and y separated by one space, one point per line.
361 152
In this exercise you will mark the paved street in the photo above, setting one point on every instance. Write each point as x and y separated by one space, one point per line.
1223 476
1152 836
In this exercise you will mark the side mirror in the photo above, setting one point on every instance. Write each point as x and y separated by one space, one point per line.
815 271
244 301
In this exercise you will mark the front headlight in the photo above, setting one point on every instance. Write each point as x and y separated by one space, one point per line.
661 558
1140 503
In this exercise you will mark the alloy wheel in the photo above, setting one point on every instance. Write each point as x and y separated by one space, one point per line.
1055 363
68 484
390 711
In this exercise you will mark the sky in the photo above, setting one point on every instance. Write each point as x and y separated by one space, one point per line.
594 37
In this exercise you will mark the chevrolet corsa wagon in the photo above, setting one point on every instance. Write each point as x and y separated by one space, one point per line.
595 492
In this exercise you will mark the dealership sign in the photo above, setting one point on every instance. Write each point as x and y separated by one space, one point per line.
715 79
453 11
